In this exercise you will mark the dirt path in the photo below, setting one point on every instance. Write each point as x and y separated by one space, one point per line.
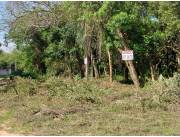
5 133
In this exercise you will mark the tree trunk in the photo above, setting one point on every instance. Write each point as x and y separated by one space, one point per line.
125 74
80 64
105 71
96 73
100 42
152 71
133 73
129 63
92 71
178 61
69 72
110 65
87 45
69 67
86 68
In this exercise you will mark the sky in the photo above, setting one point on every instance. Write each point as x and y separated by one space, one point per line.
11 46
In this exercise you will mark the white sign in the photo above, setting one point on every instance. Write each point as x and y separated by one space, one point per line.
127 55
85 60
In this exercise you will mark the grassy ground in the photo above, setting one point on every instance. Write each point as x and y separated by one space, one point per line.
66 107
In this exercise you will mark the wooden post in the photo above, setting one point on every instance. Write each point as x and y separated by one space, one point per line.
110 66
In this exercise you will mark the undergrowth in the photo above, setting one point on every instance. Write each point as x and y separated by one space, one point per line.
57 106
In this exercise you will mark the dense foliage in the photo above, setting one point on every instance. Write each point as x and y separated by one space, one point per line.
53 38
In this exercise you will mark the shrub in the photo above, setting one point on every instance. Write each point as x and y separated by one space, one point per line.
162 93
26 85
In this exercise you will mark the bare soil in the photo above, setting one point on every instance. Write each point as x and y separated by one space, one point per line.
5 133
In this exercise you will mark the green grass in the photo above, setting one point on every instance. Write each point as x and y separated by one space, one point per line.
112 109
5 116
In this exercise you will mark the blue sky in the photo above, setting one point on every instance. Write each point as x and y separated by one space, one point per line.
2 32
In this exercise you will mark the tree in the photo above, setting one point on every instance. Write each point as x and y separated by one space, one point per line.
55 37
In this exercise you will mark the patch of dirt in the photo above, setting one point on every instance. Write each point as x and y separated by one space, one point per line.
5 133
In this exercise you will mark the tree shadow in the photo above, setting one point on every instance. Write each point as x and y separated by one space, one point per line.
129 82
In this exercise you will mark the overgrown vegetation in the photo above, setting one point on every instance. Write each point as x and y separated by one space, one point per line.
58 106
70 76
54 40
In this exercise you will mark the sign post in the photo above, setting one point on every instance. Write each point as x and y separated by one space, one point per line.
85 60
127 55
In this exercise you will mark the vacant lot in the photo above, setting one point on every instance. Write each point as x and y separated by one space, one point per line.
68 107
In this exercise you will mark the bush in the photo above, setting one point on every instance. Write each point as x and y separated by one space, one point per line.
76 90
26 85
162 93
25 74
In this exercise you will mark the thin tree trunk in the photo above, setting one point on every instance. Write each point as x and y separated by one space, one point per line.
152 71
94 70
110 65
86 68
69 71
105 71
80 64
100 41
96 73
91 64
125 74
178 61
69 67
87 45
